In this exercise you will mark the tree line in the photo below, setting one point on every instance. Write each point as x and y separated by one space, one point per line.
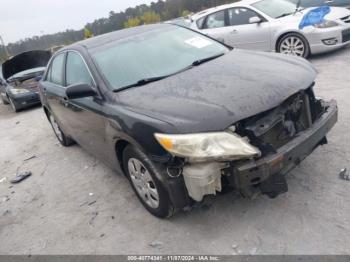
133 16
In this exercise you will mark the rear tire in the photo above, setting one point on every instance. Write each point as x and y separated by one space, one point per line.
294 44
141 173
62 138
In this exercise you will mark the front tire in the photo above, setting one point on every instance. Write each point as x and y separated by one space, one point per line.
62 138
13 105
5 102
141 173
294 44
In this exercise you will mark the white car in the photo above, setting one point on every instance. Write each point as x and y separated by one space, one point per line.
273 25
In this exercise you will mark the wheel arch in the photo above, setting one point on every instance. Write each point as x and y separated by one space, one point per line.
280 36
120 145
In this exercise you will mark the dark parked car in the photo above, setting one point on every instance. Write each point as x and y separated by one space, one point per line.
22 73
183 115
311 3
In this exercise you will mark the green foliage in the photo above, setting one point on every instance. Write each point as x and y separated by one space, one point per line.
88 33
132 22
185 13
3 55
150 17
142 14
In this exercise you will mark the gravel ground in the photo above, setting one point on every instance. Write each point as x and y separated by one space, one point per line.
74 204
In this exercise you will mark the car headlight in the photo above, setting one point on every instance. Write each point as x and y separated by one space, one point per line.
208 146
16 91
326 24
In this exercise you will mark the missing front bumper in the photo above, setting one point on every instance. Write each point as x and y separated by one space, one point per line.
265 175
288 156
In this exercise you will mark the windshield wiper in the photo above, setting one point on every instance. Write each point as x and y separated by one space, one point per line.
283 15
201 61
145 81
297 7
141 82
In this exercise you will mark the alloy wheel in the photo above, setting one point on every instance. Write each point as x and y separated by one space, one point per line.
292 46
143 183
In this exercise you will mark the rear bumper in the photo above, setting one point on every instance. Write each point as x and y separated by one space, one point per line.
289 155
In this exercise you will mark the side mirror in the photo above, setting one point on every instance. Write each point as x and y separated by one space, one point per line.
80 91
255 20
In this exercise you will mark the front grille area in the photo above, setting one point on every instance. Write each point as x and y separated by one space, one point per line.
346 35
271 130
32 99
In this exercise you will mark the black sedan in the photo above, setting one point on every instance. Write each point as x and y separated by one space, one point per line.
22 73
184 116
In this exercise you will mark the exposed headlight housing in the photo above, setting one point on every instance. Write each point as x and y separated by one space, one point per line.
208 146
326 24
17 91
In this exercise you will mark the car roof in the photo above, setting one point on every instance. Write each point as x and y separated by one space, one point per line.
222 7
116 36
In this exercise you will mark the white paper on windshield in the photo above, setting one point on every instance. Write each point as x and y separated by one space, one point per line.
198 42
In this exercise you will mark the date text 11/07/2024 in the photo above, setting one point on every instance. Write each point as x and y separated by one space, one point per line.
173 258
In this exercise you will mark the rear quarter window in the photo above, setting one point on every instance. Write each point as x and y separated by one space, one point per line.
200 23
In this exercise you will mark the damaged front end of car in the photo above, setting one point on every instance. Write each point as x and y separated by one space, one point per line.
22 73
254 155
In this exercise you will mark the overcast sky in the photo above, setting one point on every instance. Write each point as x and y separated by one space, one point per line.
25 18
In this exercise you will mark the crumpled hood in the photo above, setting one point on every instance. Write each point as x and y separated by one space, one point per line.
336 13
219 93
25 61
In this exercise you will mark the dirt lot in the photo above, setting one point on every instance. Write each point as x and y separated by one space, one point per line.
73 204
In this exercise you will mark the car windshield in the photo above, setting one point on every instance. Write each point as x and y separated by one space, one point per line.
153 55
275 8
